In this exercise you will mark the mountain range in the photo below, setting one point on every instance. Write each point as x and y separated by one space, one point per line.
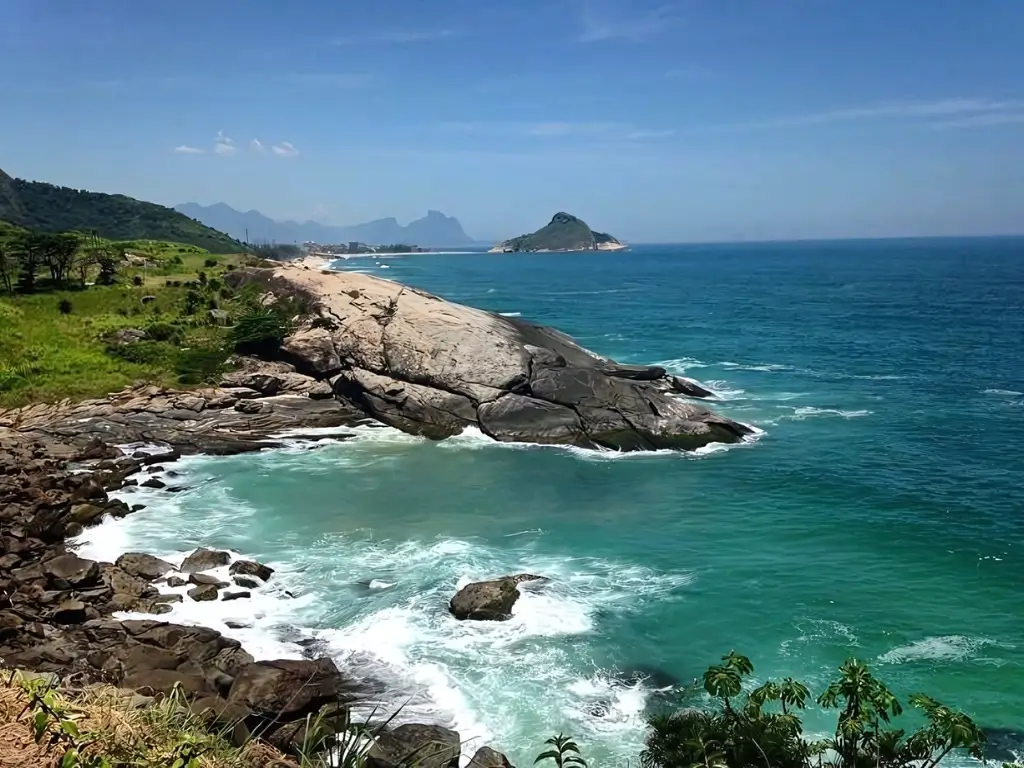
433 230
50 208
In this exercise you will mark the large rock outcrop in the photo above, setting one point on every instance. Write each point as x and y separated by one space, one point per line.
489 600
431 367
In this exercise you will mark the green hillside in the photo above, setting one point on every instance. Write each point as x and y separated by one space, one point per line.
564 233
49 208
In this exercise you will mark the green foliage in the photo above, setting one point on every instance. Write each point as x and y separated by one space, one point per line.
564 232
193 302
260 330
762 727
49 208
210 263
165 332
65 307
198 365
564 753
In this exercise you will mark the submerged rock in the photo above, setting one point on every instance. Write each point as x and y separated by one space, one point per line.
205 560
489 600
251 568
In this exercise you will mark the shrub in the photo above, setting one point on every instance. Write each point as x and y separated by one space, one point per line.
193 302
200 364
154 353
210 263
165 332
202 279
259 331
231 267
137 281
65 307
762 726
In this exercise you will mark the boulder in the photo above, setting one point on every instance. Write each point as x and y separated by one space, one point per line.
144 566
489 600
251 568
486 757
155 682
71 572
425 746
288 689
245 582
153 482
204 579
235 595
433 368
204 592
86 514
72 612
205 560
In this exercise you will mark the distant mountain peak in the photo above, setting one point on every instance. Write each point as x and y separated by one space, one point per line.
433 230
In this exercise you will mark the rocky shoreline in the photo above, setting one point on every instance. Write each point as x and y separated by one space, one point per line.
365 352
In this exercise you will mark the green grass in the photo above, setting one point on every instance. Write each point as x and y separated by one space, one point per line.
47 356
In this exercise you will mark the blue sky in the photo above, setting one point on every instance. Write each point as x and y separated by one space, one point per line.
657 120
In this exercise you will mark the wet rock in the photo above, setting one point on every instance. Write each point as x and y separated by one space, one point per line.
203 579
251 568
153 482
204 592
86 514
205 560
689 387
634 372
144 566
71 571
289 689
73 612
176 581
231 624
486 757
245 582
235 595
426 746
489 600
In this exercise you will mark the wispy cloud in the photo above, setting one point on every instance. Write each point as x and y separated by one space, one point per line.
257 146
983 120
224 145
604 20
582 131
570 129
285 149
907 110
396 37
184 149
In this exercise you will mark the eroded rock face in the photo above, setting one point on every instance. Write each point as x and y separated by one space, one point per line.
489 600
431 367
486 757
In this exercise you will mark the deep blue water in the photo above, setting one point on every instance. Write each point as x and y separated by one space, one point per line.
880 515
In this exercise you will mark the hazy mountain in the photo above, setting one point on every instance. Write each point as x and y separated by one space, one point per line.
433 230
49 208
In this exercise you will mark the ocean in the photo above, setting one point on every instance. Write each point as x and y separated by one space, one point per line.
879 515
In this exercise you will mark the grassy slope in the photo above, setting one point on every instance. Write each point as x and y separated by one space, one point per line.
50 208
47 356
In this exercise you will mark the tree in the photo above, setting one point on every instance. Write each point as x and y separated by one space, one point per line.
762 729
8 268
58 254
107 262
30 261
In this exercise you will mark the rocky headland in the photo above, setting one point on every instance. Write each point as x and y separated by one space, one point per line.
564 232
363 351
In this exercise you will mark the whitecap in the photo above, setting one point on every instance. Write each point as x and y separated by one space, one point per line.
808 411
948 648
511 314
1005 392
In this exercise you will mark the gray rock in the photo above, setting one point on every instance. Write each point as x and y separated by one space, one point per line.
143 565
489 600
430 367
203 579
245 582
288 689
486 757
203 593
425 746
176 581
251 568
205 560
235 595
689 387
71 571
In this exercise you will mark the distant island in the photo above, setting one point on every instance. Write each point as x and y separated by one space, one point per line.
564 233
435 230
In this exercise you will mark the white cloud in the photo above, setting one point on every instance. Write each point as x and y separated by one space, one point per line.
396 37
257 146
571 129
601 21
285 149
894 111
187 150
223 145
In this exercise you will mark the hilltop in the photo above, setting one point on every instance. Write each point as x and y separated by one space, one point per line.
433 230
50 208
564 233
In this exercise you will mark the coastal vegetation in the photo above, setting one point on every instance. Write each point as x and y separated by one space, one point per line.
84 315
50 208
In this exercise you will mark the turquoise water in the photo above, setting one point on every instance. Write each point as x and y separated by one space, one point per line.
879 515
